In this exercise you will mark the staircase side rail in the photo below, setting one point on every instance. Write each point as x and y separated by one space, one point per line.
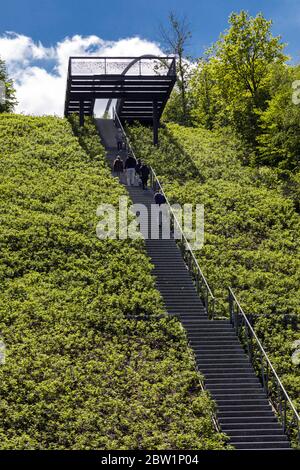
202 286
271 383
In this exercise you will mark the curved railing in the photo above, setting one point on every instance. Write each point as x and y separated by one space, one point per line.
270 381
171 70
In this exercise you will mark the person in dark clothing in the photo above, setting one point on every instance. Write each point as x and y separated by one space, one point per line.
161 201
144 174
159 198
138 166
138 172
118 167
130 165
119 138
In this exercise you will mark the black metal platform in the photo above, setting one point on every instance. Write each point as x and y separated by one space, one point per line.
141 86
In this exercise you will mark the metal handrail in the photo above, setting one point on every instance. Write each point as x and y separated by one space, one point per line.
153 175
201 283
281 401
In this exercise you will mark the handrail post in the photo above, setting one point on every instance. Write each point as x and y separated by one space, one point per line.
262 371
230 303
267 379
284 415
236 319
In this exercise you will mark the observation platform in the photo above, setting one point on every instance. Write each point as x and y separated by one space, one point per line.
141 86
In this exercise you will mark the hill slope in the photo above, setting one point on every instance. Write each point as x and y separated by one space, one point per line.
78 373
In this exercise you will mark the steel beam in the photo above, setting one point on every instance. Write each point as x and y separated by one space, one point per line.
155 123
81 113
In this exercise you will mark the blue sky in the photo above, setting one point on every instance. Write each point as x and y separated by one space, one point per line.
38 36
50 21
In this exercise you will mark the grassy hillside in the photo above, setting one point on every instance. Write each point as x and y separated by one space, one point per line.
252 229
78 373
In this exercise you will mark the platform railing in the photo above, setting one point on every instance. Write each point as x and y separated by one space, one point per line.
203 289
272 385
146 65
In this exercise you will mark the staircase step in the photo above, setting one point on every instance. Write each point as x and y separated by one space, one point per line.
219 357
225 346
244 413
234 380
228 350
225 368
215 334
245 428
224 387
205 329
212 366
256 403
260 445
238 394
187 301
256 434
247 420
177 289
208 322
251 407
228 374
260 438
199 343
167 283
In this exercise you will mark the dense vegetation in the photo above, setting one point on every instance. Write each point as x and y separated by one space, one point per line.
79 374
251 229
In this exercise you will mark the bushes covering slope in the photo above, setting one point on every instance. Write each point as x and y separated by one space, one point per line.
251 229
78 374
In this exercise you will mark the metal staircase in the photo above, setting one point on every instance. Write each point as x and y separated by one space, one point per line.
244 411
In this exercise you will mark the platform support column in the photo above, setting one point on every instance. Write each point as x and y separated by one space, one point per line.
81 113
155 123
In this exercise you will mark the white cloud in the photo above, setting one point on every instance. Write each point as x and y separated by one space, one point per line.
19 50
41 86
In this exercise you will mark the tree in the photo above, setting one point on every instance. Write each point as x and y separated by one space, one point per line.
279 142
232 85
246 51
7 91
205 102
175 39
243 57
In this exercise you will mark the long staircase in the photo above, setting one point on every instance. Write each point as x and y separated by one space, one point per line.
243 410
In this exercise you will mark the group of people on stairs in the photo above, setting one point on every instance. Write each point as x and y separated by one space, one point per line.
137 172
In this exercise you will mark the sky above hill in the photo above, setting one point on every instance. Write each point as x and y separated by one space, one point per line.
37 36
